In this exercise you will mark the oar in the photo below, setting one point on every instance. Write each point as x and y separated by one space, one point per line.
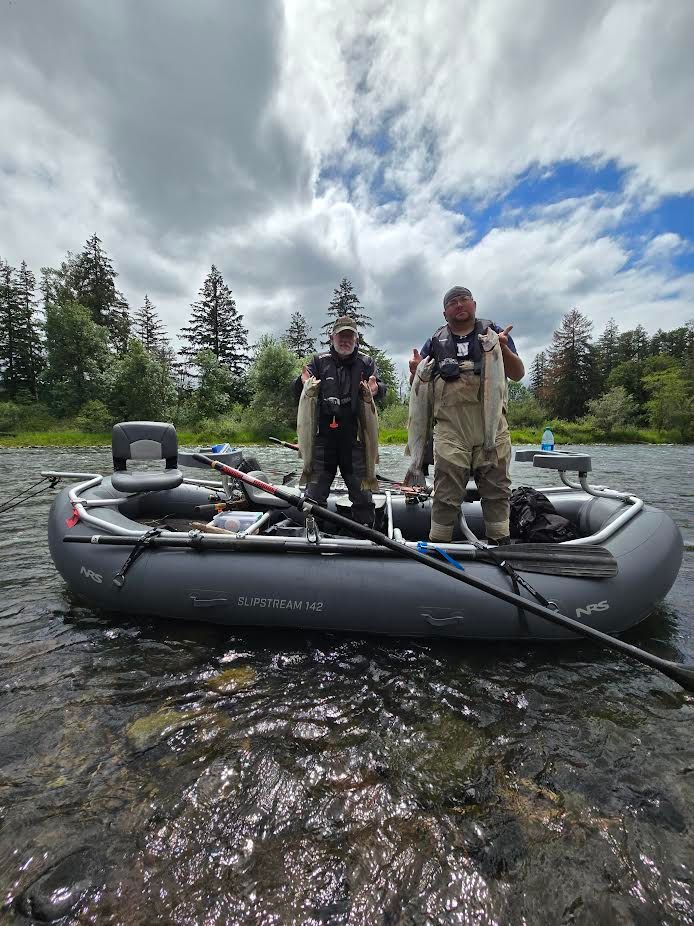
682 674
391 482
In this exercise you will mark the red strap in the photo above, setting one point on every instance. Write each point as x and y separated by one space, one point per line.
333 424
70 522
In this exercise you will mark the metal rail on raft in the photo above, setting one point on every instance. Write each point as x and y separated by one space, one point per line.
334 545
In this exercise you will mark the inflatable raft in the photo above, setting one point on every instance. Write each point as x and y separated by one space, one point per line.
137 542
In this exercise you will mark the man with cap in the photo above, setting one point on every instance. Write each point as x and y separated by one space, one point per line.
459 419
340 371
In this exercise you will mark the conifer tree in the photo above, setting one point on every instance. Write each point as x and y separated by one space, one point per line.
216 325
570 367
538 376
606 355
149 329
298 336
9 329
91 281
346 302
31 345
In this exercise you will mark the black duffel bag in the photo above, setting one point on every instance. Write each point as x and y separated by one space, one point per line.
534 518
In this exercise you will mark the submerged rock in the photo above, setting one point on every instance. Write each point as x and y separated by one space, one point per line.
232 679
146 731
54 894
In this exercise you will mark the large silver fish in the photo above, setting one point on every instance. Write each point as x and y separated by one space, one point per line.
420 421
307 426
368 427
493 391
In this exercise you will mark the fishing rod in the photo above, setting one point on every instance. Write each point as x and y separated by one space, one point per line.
413 490
682 674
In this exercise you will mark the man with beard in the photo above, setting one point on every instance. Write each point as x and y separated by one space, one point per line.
459 419
340 371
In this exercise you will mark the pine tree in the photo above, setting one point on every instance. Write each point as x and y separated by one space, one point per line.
538 376
216 325
9 329
570 367
31 348
346 302
149 329
90 280
298 336
606 355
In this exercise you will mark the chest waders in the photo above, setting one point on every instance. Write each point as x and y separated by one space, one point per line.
458 443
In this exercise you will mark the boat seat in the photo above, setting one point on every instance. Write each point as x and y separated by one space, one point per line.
260 498
144 440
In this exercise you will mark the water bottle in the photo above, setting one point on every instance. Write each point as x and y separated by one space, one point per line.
547 440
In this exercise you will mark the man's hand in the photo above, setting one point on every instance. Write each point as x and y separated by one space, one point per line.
503 336
415 360
304 374
373 385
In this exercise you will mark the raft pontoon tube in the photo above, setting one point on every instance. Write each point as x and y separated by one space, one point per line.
126 543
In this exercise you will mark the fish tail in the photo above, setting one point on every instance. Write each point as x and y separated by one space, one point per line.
369 484
408 452
305 477
414 477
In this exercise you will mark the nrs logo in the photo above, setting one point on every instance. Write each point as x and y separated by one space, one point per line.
94 576
590 608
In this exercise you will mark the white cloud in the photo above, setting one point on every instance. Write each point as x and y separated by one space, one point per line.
295 145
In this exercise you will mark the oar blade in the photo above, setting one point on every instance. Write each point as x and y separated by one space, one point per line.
587 561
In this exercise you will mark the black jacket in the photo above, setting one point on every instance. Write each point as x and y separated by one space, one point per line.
339 388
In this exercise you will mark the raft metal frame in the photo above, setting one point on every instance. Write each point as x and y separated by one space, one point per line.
335 545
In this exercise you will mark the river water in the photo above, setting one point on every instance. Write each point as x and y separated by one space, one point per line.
183 774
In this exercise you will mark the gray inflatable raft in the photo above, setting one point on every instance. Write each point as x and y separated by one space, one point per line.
283 575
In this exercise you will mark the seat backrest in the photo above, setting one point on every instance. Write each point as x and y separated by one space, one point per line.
144 440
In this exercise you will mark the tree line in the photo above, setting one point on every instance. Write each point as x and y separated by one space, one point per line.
72 349
623 379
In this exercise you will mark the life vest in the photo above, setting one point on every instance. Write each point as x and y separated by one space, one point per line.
444 346
335 402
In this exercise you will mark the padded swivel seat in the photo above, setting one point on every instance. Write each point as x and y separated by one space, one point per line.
144 440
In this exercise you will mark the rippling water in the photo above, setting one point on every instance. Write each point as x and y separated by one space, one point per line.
183 774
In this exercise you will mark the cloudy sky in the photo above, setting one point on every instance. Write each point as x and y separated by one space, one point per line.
541 153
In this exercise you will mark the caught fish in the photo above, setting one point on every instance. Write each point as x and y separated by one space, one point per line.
493 388
419 421
307 426
368 427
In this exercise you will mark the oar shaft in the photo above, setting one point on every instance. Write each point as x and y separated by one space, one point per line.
681 674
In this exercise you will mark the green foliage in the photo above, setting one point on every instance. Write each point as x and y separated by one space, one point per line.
89 279
77 360
215 383
671 405
393 416
142 388
215 325
570 372
10 416
526 411
149 328
298 336
94 417
387 373
613 410
271 378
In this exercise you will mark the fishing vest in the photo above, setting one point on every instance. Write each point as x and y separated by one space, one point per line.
335 402
444 346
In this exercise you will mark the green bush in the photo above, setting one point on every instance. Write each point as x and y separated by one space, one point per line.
10 416
94 417
394 416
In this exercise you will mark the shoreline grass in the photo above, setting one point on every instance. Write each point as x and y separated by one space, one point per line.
564 433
